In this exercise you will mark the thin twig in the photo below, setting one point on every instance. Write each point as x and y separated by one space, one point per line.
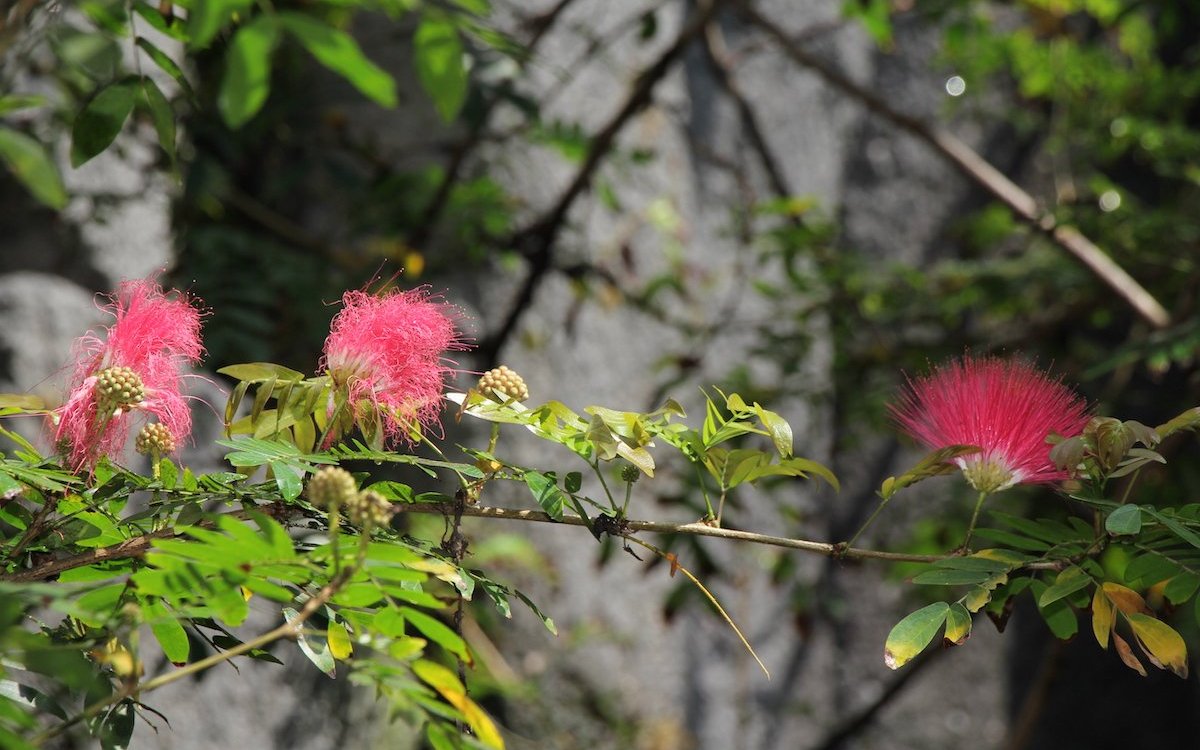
694 529
536 241
979 170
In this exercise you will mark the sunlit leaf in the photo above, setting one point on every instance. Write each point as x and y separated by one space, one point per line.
337 50
247 79
911 635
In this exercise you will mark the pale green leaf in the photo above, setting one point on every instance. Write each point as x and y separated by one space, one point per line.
33 167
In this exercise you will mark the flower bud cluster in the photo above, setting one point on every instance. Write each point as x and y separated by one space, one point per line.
118 389
369 508
334 487
505 381
155 439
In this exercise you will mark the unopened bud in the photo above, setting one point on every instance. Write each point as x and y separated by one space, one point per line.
630 473
331 486
505 381
154 438
369 509
118 389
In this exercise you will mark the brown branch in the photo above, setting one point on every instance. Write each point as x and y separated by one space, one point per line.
979 170
664 527
537 240
133 547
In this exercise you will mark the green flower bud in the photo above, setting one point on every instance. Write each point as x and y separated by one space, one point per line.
118 389
155 438
505 381
368 509
332 486
630 473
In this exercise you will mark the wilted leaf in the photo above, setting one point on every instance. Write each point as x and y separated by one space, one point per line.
1126 655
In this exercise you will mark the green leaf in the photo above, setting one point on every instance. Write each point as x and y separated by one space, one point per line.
439 62
1181 588
287 479
207 17
436 631
1188 420
911 635
161 115
101 119
1176 527
167 65
545 490
1058 615
247 79
1127 519
338 51
32 167
943 577
934 464
258 371
167 631
1067 582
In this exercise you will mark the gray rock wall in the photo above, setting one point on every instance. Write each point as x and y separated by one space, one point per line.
619 675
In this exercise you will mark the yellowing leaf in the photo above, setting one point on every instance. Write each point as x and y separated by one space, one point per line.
980 595
340 646
1126 599
448 686
958 625
911 635
1161 642
1102 617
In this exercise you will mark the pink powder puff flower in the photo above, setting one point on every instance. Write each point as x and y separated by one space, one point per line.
131 374
385 351
1006 408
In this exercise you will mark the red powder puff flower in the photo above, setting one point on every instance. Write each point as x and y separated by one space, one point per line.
131 374
1007 408
384 355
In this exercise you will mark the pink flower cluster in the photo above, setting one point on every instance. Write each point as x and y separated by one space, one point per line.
1007 408
130 374
386 352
